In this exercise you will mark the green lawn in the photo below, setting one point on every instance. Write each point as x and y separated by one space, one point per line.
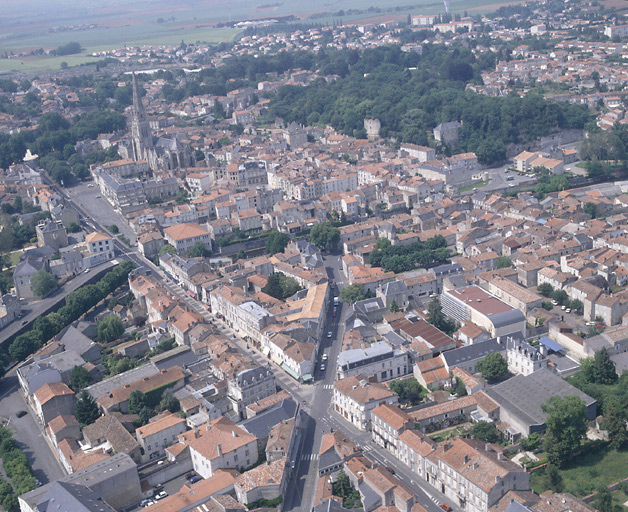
587 472
14 257
619 498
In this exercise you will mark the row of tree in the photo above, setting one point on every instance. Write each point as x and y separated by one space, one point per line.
76 304
15 464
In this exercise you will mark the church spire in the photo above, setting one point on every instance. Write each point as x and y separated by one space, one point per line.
138 106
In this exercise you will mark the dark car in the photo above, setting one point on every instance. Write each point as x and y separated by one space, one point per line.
390 469
195 478
19 414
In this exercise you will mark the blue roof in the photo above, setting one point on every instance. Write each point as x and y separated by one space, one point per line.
551 344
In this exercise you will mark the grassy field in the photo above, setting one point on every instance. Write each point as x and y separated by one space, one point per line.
587 472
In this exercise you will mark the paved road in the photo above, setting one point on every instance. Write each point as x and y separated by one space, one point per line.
27 432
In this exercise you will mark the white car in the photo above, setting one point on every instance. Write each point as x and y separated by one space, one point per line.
329 334
568 310
324 358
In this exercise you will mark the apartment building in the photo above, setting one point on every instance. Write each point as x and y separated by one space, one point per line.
356 397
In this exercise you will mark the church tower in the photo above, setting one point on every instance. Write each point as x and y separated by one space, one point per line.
142 138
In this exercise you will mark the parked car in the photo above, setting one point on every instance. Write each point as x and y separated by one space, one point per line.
568 310
329 334
390 469
445 507
323 366
195 478
19 414
325 357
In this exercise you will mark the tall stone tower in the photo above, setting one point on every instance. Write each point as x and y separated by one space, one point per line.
142 138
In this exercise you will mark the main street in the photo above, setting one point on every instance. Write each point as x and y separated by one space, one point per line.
316 400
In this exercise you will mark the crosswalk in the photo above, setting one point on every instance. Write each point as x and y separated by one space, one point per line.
433 499
328 386
309 456
367 448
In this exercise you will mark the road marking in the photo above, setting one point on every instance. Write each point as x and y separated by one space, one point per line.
328 386
309 456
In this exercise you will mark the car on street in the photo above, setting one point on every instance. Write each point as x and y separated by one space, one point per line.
323 366
555 302
24 322
334 313
568 310
563 307
20 414
324 358
329 334
161 495
390 469
445 507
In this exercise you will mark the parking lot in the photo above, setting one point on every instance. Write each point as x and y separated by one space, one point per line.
87 195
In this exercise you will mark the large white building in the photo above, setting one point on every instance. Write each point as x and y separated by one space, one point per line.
473 304
355 398
380 360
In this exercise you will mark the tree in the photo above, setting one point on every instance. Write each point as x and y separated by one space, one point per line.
43 282
168 402
603 368
437 318
281 286
546 289
86 410
137 400
167 248
394 308
547 305
555 479
325 236
493 367
615 425
73 227
352 293
199 250
409 390
504 262
342 488
276 242
485 431
566 425
80 378
604 500
590 209
109 328
532 442
460 389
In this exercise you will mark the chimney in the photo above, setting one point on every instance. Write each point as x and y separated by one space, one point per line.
195 433
219 448
475 465
446 447
466 459
233 432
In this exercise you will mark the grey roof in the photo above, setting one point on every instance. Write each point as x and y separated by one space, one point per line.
75 340
379 348
368 306
523 396
261 424
458 356
370 499
449 268
507 318
90 476
329 459
254 309
62 362
394 339
64 496
135 374
179 356
394 288
515 506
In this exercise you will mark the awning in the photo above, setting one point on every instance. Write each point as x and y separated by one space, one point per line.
307 377
289 371
551 344
265 350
